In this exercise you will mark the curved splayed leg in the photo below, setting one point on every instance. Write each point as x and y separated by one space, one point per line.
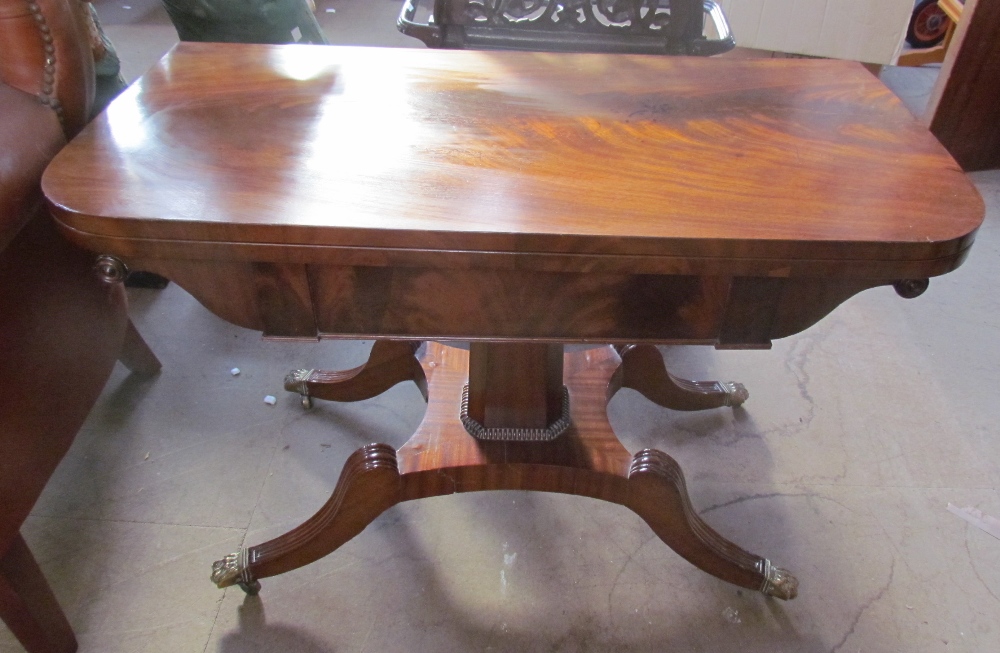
368 486
658 494
643 370
390 362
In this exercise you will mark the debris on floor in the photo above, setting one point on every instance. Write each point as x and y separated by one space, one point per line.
976 517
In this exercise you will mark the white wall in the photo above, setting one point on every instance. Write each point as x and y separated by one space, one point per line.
871 31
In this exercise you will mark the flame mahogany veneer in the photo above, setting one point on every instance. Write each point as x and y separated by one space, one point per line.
519 201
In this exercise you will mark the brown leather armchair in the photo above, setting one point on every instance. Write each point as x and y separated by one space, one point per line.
61 327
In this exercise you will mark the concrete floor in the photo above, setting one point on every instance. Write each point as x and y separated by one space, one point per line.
858 434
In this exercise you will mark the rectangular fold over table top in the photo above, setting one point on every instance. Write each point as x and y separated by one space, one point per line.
311 149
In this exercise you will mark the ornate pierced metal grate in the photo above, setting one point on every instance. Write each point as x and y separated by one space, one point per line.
637 26
583 15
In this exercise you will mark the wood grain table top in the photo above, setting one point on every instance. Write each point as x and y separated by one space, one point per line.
312 147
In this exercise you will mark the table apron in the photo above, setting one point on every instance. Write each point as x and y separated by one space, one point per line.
309 301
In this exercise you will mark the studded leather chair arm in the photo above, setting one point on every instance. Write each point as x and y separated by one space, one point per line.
47 50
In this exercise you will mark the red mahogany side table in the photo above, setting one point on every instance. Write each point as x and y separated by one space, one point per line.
520 202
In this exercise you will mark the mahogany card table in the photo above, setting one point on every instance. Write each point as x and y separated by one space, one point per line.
520 202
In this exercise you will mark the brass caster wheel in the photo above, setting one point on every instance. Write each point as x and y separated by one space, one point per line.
298 381
252 588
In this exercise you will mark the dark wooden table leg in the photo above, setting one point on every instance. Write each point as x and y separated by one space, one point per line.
643 369
443 458
390 362
28 606
136 354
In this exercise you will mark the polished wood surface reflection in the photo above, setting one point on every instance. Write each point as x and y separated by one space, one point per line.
513 152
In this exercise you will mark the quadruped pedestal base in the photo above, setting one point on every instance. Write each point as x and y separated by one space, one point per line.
442 457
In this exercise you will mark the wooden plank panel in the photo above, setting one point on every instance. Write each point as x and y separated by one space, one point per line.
963 111
859 30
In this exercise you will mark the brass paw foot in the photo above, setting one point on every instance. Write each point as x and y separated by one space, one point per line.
234 570
736 393
297 381
778 582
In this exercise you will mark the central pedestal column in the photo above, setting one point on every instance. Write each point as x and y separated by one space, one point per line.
517 386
